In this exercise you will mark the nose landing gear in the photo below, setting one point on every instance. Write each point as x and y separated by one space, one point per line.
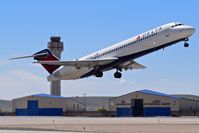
186 45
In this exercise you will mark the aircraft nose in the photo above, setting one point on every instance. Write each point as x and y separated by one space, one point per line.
189 30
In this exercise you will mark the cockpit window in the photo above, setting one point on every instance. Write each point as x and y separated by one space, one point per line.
176 25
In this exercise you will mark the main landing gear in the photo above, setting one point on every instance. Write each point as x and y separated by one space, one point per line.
99 74
186 45
117 74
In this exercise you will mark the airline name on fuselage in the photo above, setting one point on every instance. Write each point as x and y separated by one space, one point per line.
149 33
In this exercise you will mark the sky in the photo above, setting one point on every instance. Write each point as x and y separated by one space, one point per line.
86 26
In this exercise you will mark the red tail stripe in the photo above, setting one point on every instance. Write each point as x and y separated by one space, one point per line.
50 68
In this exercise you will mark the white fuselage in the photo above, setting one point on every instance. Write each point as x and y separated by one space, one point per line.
134 47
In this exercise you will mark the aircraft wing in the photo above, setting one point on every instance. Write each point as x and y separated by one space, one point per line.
131 65
90 63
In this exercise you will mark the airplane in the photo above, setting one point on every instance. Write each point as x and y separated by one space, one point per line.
120 56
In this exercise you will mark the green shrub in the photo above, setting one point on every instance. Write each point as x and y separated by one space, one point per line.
102 110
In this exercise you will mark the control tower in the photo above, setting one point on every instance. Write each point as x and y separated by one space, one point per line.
56 47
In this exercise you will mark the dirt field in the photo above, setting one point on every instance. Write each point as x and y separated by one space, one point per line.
99 125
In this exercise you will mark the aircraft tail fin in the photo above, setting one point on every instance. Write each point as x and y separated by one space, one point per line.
44 55
47 55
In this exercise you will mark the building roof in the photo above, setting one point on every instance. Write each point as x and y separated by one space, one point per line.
150 92
157 93
186 96
47 95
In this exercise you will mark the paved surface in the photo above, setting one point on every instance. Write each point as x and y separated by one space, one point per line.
28 131
98 125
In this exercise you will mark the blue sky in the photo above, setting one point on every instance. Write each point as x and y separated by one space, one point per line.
87 26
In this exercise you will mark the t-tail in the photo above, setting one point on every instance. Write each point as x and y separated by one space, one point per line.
48 57
43 55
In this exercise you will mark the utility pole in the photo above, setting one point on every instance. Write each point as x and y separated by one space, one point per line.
84 102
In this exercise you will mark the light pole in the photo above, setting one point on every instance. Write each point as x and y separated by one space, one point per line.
84 102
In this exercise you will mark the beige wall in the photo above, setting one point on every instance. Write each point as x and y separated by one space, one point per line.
149 101
189 105
44 102
74 106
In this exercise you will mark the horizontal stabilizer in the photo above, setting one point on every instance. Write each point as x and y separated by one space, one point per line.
30 56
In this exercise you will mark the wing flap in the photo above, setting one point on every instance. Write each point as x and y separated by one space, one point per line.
132 65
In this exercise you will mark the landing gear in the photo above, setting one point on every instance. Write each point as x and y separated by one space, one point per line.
186 45
118 75
99 74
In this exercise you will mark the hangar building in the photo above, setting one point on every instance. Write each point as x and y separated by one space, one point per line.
93 103
44 105
138 103
145 103
50 105
189 105
151 103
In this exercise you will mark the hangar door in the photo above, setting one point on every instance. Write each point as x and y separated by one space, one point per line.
124 111
137 107
33 107
157 111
